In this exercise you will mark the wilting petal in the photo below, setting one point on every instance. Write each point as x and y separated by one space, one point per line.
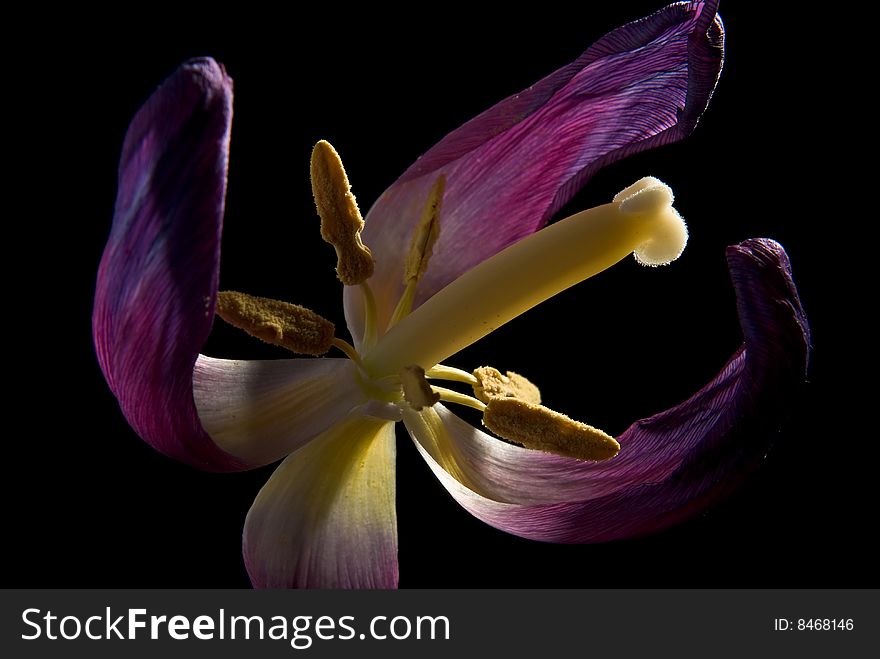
508 473
263 410
512 167
326 518
154 300
676 463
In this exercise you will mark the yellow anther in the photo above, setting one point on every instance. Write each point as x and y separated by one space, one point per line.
492 384
280 323
341 221
416 390
420 249
426 234
537 427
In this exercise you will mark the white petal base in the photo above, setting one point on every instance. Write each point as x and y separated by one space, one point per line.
261 411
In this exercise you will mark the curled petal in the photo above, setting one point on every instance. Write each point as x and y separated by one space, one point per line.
671 465
157 283
509 473
263 410
326 517
512 167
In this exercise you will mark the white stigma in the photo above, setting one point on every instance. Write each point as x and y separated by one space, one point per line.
669 235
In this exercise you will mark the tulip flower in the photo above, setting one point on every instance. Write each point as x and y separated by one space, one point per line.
452 250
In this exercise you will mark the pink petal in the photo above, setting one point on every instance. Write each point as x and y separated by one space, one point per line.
512 167
154 299
326 518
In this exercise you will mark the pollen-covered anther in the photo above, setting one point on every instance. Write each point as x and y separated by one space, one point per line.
280 323
492 384
668 232
416 390
537 427
341 221
426 234
421 248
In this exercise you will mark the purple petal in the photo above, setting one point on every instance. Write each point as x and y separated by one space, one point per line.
676 463
508 473
326 517
512 167
157 283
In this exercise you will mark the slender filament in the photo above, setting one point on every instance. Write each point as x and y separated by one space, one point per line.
443 372
452 396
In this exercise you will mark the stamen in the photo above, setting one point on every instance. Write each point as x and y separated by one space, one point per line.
492 384
279 323
420 249
537 427
443 372
452 396
426 234
369 316
348 349
341 221
416 390
525 274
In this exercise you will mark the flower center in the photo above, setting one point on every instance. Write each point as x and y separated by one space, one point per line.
396 362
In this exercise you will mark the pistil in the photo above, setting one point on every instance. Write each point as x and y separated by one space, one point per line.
536 268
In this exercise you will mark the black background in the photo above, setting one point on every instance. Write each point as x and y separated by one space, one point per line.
92 505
